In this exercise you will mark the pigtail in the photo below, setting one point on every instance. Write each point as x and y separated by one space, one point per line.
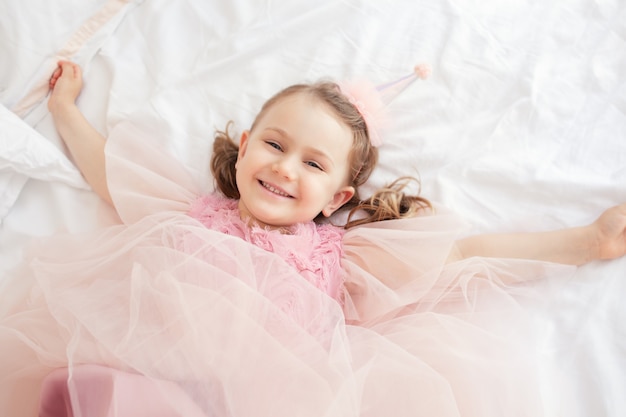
388 203
223 161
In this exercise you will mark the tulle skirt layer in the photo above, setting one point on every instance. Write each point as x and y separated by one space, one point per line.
165 315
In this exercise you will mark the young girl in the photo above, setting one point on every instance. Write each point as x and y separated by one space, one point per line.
238 303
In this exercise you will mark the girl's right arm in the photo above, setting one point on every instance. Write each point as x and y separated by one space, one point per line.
84 142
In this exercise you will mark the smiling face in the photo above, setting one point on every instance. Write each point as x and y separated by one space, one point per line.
294 163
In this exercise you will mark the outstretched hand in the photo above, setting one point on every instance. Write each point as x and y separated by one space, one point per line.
611 232
65 85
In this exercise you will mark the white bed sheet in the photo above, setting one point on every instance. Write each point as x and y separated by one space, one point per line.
521 127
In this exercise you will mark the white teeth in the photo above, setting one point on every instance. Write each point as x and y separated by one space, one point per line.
274 190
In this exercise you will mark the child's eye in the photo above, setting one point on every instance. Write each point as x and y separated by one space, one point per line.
274 145
314 165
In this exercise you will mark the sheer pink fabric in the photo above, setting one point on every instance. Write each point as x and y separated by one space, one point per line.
164 316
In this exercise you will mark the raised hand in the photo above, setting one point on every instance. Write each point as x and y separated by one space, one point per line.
84 142
65 84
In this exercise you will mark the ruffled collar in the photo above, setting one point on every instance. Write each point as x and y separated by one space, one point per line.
314 250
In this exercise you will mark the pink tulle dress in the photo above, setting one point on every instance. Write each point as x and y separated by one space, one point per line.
182 310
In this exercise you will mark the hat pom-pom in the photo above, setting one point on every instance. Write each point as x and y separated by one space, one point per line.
367 100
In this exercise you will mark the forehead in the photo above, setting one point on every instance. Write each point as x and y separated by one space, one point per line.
306 117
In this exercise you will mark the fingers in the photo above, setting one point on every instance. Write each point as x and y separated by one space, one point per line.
70 68
55 76
64 69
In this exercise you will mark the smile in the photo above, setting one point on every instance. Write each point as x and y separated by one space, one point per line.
274 190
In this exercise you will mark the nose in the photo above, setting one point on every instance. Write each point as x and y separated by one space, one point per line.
286 167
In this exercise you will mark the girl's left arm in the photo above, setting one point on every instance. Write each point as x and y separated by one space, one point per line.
603 239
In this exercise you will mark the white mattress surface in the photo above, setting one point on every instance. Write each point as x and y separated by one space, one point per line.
522 125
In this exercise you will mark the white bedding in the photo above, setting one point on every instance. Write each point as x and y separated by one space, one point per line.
521 127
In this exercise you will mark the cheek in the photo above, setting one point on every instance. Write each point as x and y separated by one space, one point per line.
243 163
240 173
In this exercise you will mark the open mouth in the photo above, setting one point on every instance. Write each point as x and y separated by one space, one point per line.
274 190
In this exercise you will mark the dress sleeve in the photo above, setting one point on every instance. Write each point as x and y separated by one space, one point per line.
402 266
389 264
144 178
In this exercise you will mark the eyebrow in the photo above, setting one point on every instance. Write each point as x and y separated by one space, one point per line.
315 151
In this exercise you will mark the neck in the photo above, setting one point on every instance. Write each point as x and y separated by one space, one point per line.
252 223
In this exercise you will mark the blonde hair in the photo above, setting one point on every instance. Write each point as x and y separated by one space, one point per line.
387 203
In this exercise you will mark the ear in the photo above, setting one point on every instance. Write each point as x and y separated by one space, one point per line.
243 144
340 198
